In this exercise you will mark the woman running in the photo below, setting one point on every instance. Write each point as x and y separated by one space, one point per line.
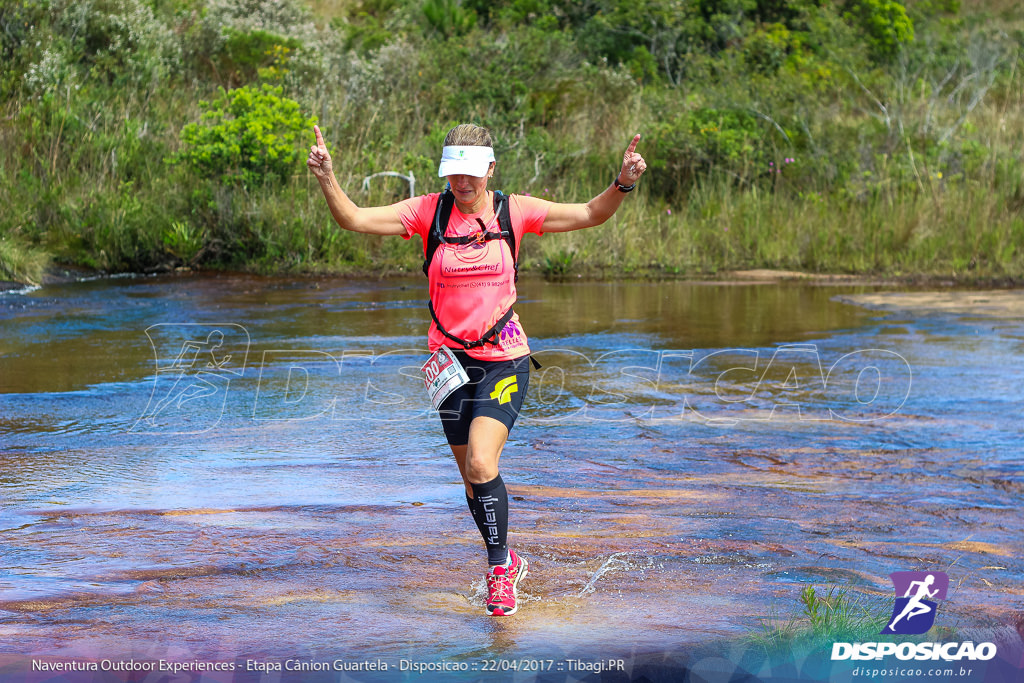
471 236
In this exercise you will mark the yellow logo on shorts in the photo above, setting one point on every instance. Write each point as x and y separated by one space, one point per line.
504 389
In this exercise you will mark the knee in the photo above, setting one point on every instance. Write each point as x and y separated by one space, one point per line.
480 468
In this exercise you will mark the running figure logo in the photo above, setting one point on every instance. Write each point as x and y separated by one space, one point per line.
914 612
195 364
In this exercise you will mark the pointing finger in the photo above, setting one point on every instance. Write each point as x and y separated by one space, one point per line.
320 137
632 144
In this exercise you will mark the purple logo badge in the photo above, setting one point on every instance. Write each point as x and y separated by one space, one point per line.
511 335
916 593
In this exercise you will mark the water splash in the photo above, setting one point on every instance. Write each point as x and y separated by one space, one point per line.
616 562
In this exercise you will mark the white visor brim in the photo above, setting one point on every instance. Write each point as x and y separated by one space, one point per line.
465 160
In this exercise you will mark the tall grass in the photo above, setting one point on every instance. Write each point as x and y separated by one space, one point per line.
824 619
961 232
913 167
22 263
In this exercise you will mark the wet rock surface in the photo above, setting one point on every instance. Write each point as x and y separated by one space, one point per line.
228 466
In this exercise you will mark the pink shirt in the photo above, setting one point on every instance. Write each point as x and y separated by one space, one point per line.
473 285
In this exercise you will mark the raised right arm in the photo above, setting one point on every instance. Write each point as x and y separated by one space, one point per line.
374 220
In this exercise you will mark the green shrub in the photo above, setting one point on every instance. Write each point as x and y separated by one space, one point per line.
733 143
528 79
248 135
21 262
184 242
768 48
229 42
906 132
120 42
247 55
369 24
18 19
884 22
644 33
448 17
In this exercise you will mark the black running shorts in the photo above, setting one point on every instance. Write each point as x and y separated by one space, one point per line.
496 388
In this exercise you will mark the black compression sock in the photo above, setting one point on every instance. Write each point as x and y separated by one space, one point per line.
489 506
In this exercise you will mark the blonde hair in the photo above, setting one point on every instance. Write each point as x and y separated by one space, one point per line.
468 135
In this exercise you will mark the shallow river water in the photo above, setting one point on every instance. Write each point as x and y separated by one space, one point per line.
231 468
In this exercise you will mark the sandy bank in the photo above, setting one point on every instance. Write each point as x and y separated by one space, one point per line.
990 303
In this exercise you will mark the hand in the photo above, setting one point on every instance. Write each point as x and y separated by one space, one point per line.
319 160
633 165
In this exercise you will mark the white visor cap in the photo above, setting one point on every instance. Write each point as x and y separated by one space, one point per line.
465 160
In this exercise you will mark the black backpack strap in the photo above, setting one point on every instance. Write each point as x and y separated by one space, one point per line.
501 210
489 337
442 213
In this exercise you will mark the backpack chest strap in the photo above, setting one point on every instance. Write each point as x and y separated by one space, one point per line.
437 236
489 337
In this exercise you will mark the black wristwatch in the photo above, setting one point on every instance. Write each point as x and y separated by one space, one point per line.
623 188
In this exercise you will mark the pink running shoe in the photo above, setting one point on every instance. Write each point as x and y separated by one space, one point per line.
503 586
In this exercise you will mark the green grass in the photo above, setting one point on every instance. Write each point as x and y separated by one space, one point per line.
933 187
22 263
834 616
961 231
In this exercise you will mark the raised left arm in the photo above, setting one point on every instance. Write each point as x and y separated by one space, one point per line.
566 217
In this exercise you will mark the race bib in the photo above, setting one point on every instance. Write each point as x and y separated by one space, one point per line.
442 374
